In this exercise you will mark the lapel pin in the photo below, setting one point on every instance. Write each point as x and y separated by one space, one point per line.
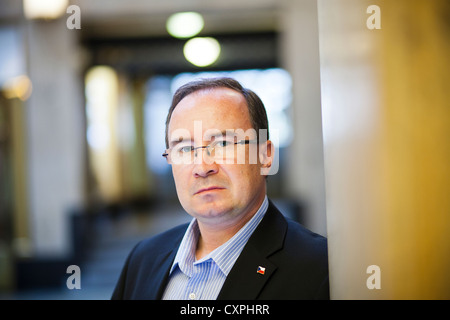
261 270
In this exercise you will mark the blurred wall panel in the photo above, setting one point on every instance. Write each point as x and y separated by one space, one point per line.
55 135
115 136
386 126
103 121
136 180
300 56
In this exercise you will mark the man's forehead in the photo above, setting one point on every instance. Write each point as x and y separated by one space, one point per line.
209 113
183 133
212 99
216 109
217 91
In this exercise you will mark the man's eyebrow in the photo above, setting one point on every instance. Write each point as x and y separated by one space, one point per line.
223 133
213 134
174 142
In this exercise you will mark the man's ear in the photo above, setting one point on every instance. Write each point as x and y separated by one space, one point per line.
266 156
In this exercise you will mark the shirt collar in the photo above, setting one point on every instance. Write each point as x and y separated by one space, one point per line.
224 256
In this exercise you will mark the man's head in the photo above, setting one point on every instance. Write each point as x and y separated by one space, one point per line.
256 109
203 112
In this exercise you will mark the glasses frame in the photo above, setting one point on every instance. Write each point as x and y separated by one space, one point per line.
208 146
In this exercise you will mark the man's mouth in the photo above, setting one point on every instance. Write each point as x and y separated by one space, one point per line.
208 189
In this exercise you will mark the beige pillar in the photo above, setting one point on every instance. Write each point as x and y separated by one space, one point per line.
386 125
55 135
304 174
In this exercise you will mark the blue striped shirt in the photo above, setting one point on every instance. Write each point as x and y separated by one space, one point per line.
203 279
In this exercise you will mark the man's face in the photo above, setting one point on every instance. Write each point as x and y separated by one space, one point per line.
209 191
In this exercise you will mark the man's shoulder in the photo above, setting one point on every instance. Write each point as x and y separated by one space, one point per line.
304 241
295 234
147 264
305 254
163 241
299 243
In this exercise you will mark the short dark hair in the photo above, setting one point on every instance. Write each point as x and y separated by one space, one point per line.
256 109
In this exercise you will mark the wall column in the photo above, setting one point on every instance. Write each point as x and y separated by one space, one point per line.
386 125
300 55
56 136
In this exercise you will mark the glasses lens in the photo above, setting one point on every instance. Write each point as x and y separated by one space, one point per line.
219 150
223 149
182 154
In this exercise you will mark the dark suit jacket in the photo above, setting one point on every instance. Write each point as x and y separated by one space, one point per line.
295 261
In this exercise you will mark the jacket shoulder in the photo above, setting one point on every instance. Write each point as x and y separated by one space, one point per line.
305 258
147 266
161 242
311 243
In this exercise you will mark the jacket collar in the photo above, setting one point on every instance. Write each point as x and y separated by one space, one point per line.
244 282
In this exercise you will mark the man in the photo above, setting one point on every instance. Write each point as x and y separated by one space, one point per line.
238 245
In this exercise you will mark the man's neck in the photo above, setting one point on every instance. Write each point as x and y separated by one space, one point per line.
213 236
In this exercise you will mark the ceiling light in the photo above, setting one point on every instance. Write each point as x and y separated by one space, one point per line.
44 9
185 24
202 52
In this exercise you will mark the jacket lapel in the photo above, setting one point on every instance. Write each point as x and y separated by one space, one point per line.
157 280
244 282
164 261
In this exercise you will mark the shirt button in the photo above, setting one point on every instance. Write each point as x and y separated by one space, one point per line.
192 296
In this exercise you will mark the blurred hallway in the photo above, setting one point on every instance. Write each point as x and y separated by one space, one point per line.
356 93
111 239
84 93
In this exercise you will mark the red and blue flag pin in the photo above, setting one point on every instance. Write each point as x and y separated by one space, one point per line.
261 270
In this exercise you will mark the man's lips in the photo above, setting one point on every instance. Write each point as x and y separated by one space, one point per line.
208 189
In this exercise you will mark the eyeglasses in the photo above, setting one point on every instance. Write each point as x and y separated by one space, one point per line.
218 150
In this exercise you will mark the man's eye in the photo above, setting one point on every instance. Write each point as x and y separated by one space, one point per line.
185 149
223 143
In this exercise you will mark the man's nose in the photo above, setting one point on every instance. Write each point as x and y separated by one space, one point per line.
204 164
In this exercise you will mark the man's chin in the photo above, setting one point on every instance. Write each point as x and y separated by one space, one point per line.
214 210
